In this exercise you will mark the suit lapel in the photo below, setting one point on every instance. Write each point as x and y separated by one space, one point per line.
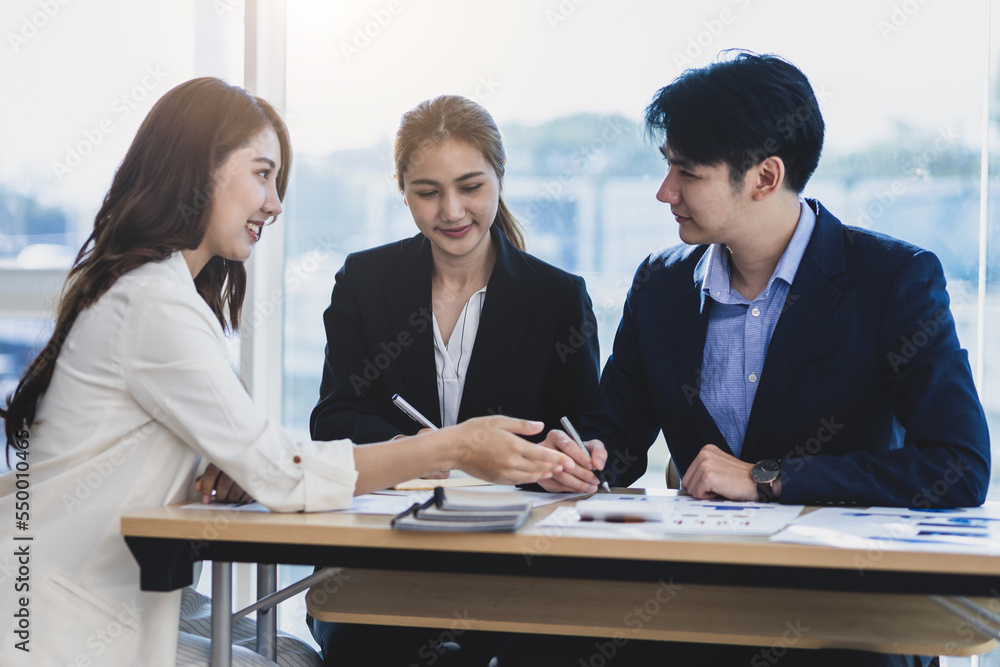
811 299
692 327
504 321
408 299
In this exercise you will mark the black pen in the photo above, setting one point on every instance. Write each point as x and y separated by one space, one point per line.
412 412
576 437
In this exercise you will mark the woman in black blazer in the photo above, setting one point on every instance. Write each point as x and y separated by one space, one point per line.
535 354
402 320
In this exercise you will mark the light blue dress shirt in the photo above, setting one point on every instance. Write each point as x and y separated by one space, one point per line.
739 332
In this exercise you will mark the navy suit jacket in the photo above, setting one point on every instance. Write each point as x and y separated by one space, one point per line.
865 392
535 355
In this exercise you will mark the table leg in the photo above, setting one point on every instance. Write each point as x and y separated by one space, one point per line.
267 619
222 614
981 619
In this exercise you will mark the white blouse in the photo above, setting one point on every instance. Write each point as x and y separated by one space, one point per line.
452 360
142 386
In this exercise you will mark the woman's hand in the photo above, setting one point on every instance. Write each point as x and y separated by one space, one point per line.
215 482
490 449
438 474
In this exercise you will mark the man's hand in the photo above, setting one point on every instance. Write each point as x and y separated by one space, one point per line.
715 474
215 482
580 478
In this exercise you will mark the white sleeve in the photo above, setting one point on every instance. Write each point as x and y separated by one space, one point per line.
175 366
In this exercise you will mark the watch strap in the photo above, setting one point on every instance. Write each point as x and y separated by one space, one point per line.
765 493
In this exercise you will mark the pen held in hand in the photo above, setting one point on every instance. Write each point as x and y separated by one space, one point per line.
576 438
412 412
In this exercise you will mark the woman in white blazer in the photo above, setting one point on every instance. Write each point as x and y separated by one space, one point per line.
136 383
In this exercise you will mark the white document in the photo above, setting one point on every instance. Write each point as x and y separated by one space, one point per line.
387 505
974 530
729 518
679 514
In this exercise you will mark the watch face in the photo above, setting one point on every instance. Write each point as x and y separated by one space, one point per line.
765 471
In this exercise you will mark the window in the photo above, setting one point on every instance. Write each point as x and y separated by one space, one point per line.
901 86
908 90
85 74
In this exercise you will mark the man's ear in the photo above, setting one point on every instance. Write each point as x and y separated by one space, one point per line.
767 177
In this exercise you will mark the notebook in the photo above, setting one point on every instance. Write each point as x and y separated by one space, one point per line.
462 510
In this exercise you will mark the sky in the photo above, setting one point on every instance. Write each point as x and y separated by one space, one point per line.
81 75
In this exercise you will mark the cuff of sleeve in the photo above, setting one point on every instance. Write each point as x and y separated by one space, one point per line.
328 475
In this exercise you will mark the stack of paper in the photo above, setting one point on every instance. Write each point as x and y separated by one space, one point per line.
463 510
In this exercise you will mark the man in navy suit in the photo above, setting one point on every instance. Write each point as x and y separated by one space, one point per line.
784 355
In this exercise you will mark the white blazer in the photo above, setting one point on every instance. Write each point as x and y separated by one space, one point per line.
142 386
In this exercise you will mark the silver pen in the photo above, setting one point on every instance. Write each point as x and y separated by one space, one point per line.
576 437
412 412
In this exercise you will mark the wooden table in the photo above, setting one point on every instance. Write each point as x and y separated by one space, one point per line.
555 580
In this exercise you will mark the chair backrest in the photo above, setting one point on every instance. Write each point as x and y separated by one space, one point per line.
673 476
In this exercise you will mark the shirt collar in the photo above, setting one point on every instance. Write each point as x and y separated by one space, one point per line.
178 264
716 283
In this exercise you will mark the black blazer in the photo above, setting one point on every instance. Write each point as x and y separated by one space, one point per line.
865 392
535 355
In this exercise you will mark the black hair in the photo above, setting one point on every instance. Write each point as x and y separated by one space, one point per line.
739 112
159 202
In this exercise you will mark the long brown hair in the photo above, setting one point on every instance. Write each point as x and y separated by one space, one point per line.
158 203
459 118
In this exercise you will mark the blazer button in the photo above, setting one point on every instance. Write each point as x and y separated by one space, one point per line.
296 459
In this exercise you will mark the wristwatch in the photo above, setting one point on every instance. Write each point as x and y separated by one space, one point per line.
765 473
